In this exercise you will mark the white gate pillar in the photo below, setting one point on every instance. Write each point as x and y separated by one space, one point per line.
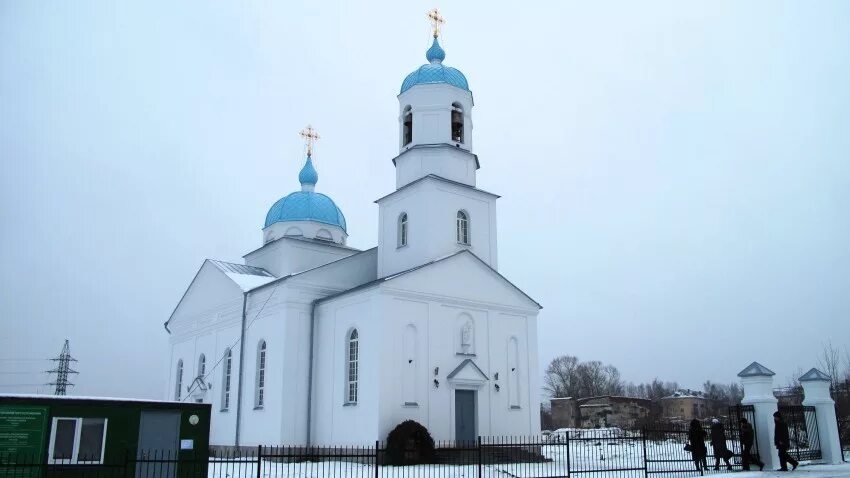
758 392
816 390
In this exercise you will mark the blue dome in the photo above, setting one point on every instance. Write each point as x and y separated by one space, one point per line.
435 72
306 206
308 174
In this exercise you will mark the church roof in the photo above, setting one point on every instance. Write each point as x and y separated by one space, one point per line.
437 145
437 178
306 205
422 266
246 277
434 72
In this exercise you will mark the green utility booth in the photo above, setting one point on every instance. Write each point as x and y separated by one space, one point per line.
45 436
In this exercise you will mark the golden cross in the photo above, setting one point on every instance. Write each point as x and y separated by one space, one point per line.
310 137
436 21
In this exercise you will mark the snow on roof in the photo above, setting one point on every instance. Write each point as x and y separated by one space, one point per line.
685 394
246 277
83 397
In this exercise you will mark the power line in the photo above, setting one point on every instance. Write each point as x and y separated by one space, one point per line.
62 370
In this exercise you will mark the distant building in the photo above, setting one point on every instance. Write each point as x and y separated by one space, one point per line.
564 412
685 405
602 411
613 411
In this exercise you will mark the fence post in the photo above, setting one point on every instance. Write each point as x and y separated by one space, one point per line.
568 451
480 465
645 464
259 460
757 381
377 450
816 390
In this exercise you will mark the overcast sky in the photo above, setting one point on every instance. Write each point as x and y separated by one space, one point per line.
675 176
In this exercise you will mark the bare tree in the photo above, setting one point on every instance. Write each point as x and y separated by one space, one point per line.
566 376
830 361
560 379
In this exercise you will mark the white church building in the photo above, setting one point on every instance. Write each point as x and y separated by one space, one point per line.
311 341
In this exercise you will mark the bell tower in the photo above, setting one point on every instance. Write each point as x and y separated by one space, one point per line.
436 209
435 120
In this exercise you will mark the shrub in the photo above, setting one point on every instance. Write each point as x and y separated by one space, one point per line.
409 443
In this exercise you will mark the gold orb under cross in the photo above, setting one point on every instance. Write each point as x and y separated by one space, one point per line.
310 137
437 21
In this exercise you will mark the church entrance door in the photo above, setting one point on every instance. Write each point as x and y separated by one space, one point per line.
465 414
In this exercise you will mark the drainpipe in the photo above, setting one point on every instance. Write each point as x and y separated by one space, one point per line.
241 368
310 372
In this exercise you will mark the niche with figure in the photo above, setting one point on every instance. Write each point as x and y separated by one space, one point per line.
465 332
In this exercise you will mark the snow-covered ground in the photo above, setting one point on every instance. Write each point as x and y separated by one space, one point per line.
624 461
347 469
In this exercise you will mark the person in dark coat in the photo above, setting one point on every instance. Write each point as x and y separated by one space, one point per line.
748 438
783 442
696 440
718 443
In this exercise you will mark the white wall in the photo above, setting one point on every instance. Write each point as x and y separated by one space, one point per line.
431 106
207 321
431 206
290 255
308 229
436 301
334 421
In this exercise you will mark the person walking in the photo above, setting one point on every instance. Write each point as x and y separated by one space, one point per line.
782 440
748 438
696 440
718 444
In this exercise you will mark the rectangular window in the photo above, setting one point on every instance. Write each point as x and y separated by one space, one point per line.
77 441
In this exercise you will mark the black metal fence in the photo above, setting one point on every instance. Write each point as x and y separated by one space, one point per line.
844 436
604 453
803 431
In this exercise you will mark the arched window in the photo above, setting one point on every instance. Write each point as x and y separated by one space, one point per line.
294 231
225 379
202 366
324 235
457 123
402 229
259 393
407 127
353 350
178 379
462 228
